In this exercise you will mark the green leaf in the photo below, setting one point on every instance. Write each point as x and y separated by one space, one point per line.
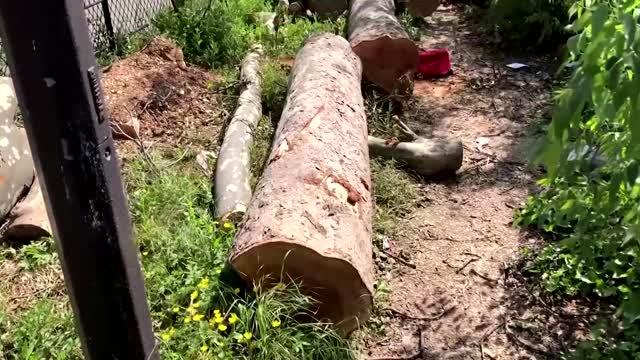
631 308
632 173
600 15
629 25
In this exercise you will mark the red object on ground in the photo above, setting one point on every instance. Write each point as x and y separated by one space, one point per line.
433 63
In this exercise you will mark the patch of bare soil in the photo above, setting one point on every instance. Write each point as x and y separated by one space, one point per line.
464 299
172 103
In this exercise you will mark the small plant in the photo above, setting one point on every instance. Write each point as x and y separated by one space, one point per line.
394 192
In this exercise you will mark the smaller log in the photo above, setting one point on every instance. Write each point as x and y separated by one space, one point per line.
427 157
16 164
389 57
28 219
232 188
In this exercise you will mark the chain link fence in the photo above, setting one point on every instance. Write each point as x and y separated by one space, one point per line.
110 19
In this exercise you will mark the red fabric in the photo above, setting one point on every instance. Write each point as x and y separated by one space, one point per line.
433 63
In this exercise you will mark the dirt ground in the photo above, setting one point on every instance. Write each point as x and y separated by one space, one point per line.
465 300
174 106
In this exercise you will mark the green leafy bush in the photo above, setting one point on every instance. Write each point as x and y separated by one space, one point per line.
593 208
529 22
214 32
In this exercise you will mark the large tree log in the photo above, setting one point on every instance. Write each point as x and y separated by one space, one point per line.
389 57
16 164
310 219
232 188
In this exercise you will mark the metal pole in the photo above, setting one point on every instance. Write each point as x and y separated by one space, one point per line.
58 86
108 23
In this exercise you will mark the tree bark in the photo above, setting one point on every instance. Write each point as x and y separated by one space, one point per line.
311 217
16 164
389 57
427 157
232 188
28 219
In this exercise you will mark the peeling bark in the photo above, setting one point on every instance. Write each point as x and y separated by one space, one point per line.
427 157
16 164
389 57
232 187
311 217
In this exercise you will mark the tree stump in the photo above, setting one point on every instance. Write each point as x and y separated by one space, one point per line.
389 57
311 217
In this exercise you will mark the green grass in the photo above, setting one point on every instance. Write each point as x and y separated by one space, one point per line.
199 308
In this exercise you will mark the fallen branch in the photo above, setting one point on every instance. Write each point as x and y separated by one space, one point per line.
399 259
232 187
422 318
486 335
426 156
465 265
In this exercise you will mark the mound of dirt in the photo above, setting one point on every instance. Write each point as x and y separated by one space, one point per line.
172 103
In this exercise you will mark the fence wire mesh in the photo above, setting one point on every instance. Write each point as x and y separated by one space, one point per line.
126 16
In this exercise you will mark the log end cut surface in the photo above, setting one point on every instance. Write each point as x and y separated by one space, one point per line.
389 62
346 297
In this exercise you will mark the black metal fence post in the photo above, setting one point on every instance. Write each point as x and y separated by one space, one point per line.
58 86
108 24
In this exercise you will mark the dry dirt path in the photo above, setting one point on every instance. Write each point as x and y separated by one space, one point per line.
461 238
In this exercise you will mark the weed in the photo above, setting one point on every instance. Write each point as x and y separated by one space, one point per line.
395 193
261 148
33 256
214 33
292 35
46 331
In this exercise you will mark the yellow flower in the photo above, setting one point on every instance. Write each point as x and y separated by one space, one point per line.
166 336
187 319
176 309
236 291
275 323
219 319
218 271
196 304
222 327
204 283
194 295
216 312
204 348
247 335
227 225
233 318
145 253
198 317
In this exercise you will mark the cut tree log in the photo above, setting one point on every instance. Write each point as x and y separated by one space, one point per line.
311 217
389 57
232 188
28 219
427 157
16 164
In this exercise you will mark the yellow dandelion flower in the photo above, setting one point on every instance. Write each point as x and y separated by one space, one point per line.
233 318
194 295
227 225
222 327
198 317
204 283
216 312
176 309
191 310
247 336
196 304
166 336
204 348
145 253
219 319
275 323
